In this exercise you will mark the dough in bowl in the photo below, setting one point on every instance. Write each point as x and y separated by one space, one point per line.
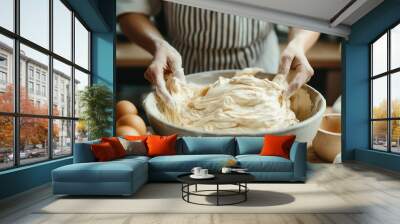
241 104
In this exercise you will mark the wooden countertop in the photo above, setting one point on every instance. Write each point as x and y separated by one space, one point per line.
322 55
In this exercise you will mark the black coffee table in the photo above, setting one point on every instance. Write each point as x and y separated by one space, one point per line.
238 179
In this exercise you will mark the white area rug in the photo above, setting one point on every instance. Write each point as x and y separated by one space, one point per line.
166 198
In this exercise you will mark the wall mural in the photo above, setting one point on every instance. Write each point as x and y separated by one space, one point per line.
196 72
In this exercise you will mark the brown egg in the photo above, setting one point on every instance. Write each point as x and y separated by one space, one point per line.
133 121
125 107
126 130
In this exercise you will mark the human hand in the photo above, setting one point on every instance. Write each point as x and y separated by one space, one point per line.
166 60
294 58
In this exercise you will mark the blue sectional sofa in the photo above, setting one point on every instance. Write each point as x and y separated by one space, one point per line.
125 176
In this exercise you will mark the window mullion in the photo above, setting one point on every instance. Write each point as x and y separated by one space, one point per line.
389 104
16 84
371 89
73 82
50 80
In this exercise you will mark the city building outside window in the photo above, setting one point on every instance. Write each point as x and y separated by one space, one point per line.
385 91
56 126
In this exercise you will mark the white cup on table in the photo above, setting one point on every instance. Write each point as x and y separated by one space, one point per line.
203 172
196 171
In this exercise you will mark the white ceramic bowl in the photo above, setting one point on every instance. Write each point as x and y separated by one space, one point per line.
304 130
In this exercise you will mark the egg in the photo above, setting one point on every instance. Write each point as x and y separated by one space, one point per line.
125 107
126 130
133 121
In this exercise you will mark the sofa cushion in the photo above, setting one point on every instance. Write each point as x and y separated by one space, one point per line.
161 145
136 147
257 163
116 145
185 163
112 171
277 145
208 145
249 145
103 152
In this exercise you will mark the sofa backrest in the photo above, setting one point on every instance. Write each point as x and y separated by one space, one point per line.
207 145
83 153
249 145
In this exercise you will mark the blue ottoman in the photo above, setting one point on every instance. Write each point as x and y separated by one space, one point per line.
118 177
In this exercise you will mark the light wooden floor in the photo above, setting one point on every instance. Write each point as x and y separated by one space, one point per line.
353 182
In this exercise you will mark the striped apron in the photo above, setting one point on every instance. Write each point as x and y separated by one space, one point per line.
209 40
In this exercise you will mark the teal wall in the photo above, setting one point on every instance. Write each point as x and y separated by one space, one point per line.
356 101
24 178
103 53
99 15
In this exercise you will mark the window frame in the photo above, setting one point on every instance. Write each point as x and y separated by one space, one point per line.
16 115
388 74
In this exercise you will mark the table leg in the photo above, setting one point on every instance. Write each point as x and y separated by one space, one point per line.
188 190
245 193
217 194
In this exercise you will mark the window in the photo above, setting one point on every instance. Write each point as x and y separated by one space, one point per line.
3 78
35 21
62 74
30 87
7 73
62 30
81 81
3 61
44 125
62 137
385 94
38 89
30 72
38 73
44 91
81 45
7 14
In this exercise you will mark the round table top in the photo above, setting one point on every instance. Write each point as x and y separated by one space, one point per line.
220 178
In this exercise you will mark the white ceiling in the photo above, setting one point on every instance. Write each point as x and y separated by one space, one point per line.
321 9
316 15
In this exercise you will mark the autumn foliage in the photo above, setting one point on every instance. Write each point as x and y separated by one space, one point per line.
380 127
33 131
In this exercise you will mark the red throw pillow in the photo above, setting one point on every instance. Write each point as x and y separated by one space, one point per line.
103 152
161 145
277 145
116 145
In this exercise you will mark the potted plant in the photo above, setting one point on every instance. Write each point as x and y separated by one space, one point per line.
95 103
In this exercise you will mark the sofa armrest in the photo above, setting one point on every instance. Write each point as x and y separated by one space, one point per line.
298 155
83 152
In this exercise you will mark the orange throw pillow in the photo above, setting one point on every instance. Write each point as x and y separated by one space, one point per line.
103 152
161 145
116 145
275 145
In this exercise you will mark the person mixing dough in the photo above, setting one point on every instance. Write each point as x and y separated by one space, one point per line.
202 40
